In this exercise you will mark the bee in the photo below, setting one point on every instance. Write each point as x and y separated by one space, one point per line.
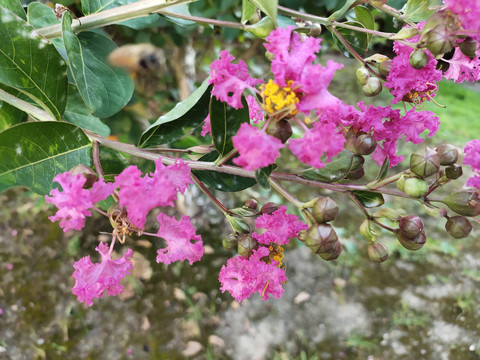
137 57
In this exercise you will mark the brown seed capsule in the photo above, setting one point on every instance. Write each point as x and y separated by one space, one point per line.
425 162
251 204
365 144
377 252
410 226
412 244
281 130
269 208
333 252
458 226
246 245
453 172
448 154
325 209
464 202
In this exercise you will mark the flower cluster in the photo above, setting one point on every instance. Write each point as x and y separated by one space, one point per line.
472 158
468 12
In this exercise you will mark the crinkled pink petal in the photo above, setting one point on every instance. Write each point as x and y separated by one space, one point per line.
472 154
182 243
469 13
280 227
323 139
462 68
230 80
474 181
256 148
92 280
255 112
206 127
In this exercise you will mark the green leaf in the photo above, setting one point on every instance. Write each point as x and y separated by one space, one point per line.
10 115
113 162
269 7
420 10
357 40
383 169
184 117
222 181
333 171
33 153
248 11
15 6
105 90
365 17
369 199
285 21
342 10
262 175
225 122
181 10
78 114
31 64
40 15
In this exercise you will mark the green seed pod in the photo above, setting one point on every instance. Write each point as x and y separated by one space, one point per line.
401 183
362 75
282 130
412 244
269 208
230 242
251 204
377 252
425 162
333 252
468 47
410 226
90 175
415 187
320 237
238 225
246 245
325 209
453 172
448 154
373 87
384 68
418 59
365 144
464 202
458 226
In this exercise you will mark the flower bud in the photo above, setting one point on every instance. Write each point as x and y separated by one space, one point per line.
315 30
262 28
458 226
387 213
365 144
464 202
90 175
251 204
325 209
244 212
238 225
362 75
282 130
357 163
418 59
373 87
332 253
256 17
468 47
415 187
246 245
384 68
401 183
377 252
440 40
367 232
269 208
448 154
321 237
453 172
412 244
425 162
355 175
230 242
410 226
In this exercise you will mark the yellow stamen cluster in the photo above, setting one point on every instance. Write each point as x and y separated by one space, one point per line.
277 99
418 97
276 254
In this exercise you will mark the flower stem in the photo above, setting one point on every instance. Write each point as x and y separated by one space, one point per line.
212 197
96 159
374 185
202 20
285 194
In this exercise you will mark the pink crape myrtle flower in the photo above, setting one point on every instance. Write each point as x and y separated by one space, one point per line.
182 243
323 139
74 202
256 148
280 227
462 68
140 194
472 155
242 277
230 80
255 112
206 127
468 12
407 83
92 280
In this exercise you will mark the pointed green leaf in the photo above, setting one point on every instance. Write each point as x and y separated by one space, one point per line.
420 10
342 10
269 7
78 114
262 175
248 10
333 171
383 169
31 64
225 122
14 6
365 17
183 118
369 199
10 115
33 153
104 89
222 181
40 15
357 40
112 161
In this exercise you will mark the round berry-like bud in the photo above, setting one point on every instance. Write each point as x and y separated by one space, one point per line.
458 226
377 252
448 154
333 252
282 130
320 237
418 59
384 68
425 162
440 40
468 47
464 202
365 144
238 225
412 244
90 175
453 172
355 175
410 226
415 187
350 137
302 235
401 183
246 245
230 242
315 30
357 162
362 75
373 87
325 209
251 204
269 208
